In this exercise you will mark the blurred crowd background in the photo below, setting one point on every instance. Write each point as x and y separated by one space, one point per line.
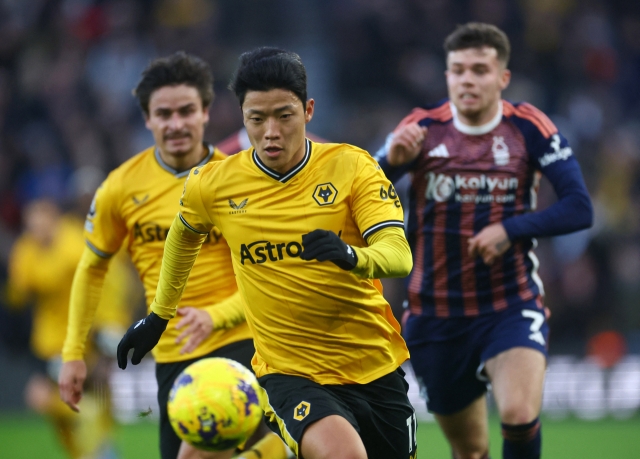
67 115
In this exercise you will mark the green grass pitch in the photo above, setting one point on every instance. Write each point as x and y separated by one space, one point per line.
28 436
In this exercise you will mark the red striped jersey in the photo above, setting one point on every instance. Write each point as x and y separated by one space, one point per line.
465 179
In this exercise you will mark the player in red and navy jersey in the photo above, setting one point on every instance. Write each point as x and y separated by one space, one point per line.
475 300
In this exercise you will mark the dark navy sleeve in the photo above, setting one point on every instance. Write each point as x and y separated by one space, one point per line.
394 174
573 210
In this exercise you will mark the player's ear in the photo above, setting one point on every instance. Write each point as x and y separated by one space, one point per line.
505 79
205 114
308 111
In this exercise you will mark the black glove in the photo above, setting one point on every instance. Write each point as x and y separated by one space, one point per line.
141 337
324 245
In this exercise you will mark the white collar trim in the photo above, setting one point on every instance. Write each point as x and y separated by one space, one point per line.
475 130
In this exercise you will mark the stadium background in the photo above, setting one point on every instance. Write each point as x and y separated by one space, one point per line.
67 68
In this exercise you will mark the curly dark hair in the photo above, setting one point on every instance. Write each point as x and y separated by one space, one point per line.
178 68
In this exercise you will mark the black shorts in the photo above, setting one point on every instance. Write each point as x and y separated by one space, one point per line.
379 411
166 373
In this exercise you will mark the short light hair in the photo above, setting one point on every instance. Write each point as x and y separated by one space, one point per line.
479 35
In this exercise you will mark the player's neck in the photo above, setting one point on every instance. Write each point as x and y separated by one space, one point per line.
181 163
482 123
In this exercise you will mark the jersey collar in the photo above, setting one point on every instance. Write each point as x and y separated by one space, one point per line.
284 178
183 174
475 130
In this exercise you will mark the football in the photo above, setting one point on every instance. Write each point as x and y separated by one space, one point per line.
214 404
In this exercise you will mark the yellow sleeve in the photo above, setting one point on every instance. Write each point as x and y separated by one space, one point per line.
180 252
18 283
86 291
388 255
186 235
228 313
104 228
118 294
193 208
375 204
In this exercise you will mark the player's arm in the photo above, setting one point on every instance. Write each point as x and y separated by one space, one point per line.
400 152
198 323
86 291
571 212
181 249
105 229
186 235
228 313
388 253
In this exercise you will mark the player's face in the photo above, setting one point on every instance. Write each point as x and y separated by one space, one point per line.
41 221
475 79
275 122
177 120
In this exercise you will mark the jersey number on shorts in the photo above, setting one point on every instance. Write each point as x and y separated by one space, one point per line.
538 320
412 425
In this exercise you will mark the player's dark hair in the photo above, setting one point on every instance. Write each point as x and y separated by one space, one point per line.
266 68
178 68
478 35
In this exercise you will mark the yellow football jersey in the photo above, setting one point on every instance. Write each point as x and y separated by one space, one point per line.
308 318
45 274
135 206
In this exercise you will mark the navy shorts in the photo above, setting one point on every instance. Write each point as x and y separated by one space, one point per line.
448 355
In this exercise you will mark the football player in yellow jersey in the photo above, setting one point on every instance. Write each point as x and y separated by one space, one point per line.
309 226
134 208
42 264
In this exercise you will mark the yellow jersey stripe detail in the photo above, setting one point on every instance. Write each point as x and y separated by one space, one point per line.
97 251
185 223
272 415
378 226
